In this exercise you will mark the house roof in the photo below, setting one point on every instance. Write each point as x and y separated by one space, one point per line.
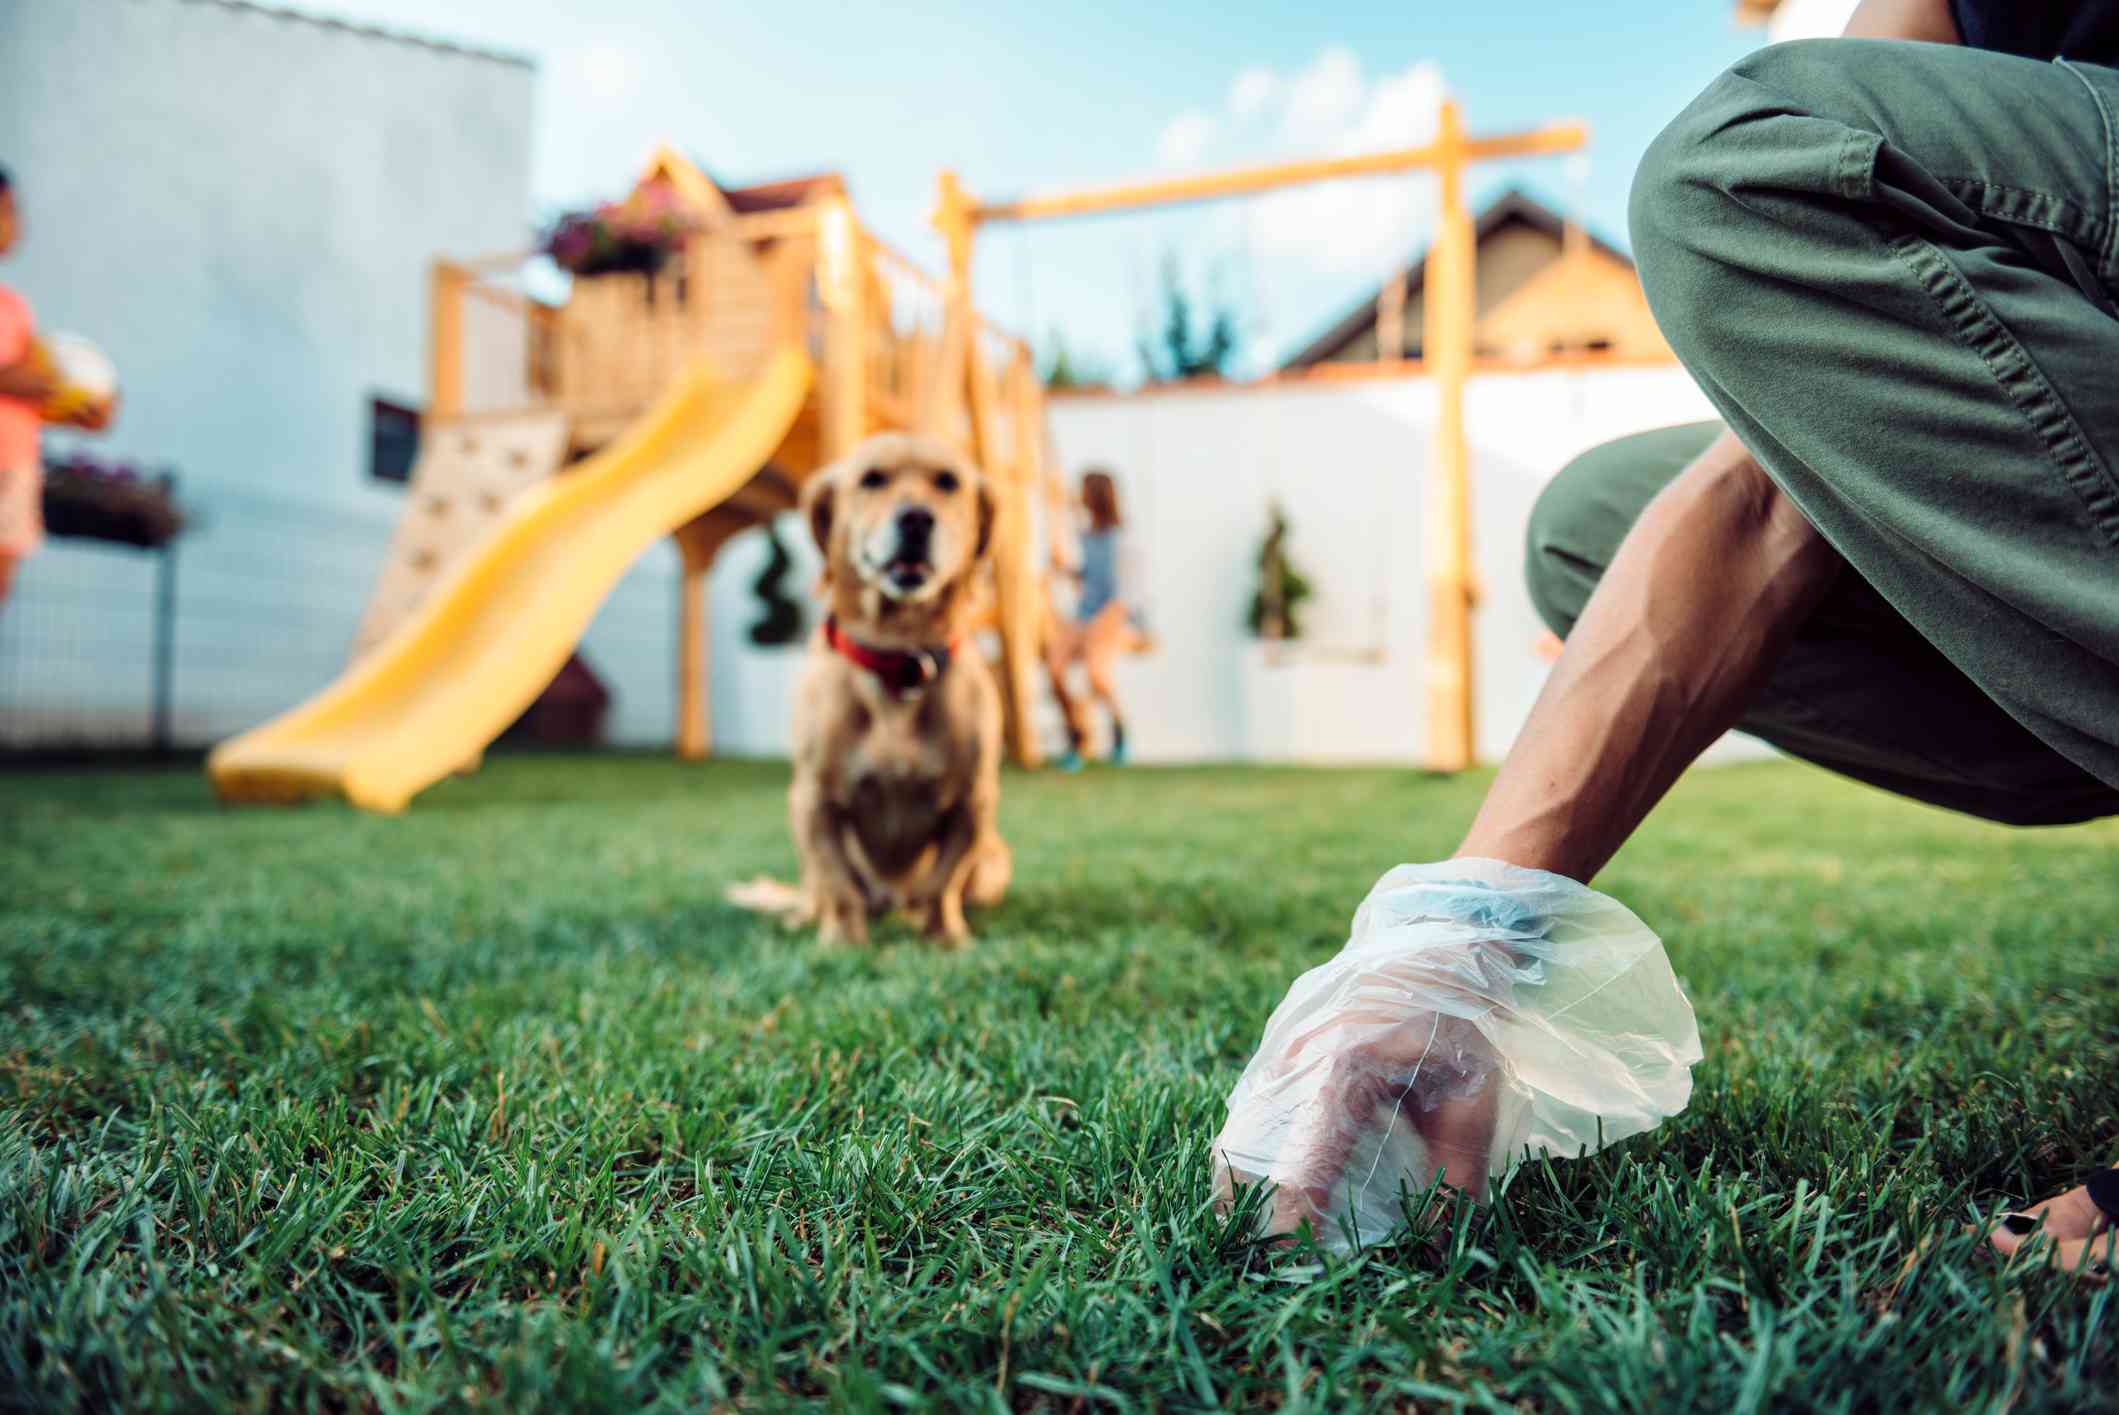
1514 207
696 185
375 32
784 193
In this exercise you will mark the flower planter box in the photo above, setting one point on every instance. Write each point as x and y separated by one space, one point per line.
90 501
634 236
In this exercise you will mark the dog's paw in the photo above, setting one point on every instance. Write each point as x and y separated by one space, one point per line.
843 923
946 927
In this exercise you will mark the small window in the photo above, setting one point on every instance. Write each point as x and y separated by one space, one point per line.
393 439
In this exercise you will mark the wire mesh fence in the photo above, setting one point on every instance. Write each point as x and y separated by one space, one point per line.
79 651
253 609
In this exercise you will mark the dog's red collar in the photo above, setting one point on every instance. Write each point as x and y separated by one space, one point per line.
903 672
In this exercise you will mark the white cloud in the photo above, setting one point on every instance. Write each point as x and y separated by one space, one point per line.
1369 225
1400 111
1184 139
1253 89
1291 255
1323 95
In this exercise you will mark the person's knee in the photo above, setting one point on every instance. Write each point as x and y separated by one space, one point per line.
1574 531
1675 209
1717 195
1760 111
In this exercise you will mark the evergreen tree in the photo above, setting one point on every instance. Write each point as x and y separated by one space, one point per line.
782 621
1066 370
1178 349
1277 604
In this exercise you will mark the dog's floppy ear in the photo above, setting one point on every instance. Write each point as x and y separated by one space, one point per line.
817 503
989 507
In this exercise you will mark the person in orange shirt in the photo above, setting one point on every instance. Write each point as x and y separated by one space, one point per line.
26 384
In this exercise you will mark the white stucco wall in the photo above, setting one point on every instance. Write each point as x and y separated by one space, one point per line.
1349 462
240 206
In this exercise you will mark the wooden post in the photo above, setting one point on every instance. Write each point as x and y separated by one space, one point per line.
1450 312
791 262
923 359
844 287
445 339
545 372
964 379
953 218
695 723
985 396
699 540
1390 319
1574 240
945 397
1030 420
1017 602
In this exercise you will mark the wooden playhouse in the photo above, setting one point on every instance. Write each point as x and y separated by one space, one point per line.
528 396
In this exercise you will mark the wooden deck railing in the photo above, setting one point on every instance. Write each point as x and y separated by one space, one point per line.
872 317
732 296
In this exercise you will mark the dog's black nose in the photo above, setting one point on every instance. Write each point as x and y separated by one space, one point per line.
915 525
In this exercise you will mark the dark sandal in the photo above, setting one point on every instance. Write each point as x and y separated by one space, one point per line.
2103 1188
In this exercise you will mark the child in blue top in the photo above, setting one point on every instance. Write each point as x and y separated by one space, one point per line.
1107 620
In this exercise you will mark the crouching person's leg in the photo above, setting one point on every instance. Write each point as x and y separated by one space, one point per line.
1856 690
1889 266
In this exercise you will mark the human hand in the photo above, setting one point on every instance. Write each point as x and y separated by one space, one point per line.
1389 1080
1478 1012
31 379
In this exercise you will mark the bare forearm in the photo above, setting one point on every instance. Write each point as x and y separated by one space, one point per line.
1700 601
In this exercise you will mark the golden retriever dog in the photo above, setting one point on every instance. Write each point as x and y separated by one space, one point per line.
897 731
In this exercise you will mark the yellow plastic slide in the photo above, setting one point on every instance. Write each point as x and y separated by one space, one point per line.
452 677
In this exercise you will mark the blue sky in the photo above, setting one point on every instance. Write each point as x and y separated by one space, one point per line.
1019 96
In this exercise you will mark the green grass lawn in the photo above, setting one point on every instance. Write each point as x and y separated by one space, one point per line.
498 1104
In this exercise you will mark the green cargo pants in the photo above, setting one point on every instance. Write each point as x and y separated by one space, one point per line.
1891 268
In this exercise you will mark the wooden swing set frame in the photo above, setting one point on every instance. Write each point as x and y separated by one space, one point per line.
1449 311
813 276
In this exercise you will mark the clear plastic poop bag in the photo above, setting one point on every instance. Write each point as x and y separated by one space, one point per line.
1480 1014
